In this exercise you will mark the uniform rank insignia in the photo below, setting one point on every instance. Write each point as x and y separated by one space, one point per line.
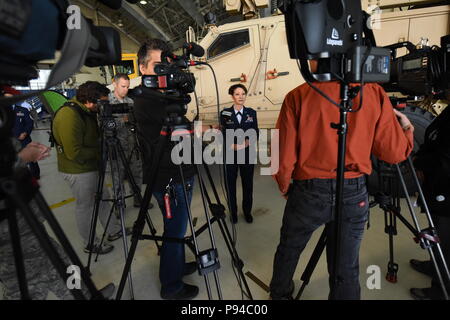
249 119
226 113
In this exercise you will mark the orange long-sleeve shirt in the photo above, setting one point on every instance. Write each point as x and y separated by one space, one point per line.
308 145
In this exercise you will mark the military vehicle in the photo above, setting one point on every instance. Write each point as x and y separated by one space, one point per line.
254 52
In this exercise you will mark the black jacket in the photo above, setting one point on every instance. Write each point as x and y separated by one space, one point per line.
433 158
150 115
228 120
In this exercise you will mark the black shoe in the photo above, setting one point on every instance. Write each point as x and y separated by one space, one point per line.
425 267
106 248
287 296
189 268
248 218
117 235
425 294
188 292
108 291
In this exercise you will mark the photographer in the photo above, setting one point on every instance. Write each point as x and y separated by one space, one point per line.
308 145
150 115
77 141
432 162
126 136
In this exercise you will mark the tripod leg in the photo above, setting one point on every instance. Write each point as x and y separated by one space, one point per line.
136 191
430 220
140 221
424 242
211 235
119 200
237 262
306 276
98 199
18 254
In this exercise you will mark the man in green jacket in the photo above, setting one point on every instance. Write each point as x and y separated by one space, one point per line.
77 139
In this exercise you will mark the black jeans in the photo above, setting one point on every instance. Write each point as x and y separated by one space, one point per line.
309 206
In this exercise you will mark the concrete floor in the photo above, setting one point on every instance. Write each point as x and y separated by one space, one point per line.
256 244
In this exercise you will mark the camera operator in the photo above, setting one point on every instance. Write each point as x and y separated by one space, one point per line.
126 136
432 162
309 147
150 115
77 139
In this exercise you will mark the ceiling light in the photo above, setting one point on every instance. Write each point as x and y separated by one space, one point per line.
143 2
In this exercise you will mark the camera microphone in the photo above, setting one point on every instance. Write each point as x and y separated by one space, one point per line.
194 49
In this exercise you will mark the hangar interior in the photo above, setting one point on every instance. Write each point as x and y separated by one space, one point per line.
252 63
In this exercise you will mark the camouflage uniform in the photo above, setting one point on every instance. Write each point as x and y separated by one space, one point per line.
42 277
129 145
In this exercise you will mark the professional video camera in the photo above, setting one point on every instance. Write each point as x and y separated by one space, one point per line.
172 80
332 33
423 71
106 111
171 75
32 31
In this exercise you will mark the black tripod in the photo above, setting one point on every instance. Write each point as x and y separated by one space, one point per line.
207 260
112 153
427 237
17 189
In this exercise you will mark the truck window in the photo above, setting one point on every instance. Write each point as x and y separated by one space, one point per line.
227 42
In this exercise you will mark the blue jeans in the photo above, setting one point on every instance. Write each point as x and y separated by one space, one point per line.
172 259
309 206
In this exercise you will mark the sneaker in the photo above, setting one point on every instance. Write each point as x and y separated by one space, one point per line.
187 292
106 248
190 268
425 267
117 235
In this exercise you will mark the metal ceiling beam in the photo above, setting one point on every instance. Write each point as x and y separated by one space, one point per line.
149 24
192 10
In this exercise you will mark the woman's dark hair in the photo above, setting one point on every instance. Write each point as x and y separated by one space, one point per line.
235 86
91 91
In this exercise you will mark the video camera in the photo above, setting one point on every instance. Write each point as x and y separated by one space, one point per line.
106 111
423 71
33 30
335 33
171 75
172 81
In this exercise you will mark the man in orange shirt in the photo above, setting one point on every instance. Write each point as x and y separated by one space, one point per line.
309 146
